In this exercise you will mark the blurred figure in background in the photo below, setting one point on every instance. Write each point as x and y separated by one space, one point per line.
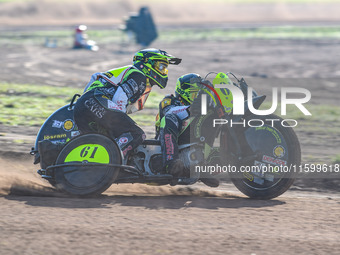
80 39
140 27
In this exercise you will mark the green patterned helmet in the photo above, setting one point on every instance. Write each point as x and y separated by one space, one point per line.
187 87
154 64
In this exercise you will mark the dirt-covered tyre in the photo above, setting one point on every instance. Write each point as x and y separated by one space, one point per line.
277 151
84 166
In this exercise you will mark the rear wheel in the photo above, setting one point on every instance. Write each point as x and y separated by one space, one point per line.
83 165
276 151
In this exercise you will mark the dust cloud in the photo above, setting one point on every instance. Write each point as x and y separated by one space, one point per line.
18 177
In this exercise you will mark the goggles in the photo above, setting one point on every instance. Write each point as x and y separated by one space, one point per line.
193 95
161 67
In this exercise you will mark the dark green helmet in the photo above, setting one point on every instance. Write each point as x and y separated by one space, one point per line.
187 87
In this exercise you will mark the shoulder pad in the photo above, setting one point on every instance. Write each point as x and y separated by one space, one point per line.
166 101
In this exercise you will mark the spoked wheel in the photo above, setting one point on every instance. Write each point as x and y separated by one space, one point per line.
84 166
276 150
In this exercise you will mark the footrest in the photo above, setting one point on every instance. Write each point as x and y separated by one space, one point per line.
151 142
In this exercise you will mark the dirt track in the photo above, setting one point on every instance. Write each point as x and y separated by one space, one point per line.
140 219
169 224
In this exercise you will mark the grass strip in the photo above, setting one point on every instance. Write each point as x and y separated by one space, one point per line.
30 105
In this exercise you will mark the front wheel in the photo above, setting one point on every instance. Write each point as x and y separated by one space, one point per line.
271 153
85 166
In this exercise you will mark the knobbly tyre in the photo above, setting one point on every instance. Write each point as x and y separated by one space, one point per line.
88 164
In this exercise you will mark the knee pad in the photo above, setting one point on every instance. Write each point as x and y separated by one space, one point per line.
172 123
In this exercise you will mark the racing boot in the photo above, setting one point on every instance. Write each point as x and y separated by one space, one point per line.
176 169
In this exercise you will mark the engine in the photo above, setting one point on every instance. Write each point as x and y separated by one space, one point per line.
191 156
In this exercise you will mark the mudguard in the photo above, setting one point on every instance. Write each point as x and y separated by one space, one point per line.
58 128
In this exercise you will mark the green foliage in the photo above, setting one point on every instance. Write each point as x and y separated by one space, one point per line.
282 32
30 105
336 159
320 113
324 118
144 119
153 100
26 104
65 37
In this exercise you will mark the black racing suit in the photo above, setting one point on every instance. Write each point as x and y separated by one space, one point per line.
102 107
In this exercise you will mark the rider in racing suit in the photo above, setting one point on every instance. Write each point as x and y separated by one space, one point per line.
173 112
110 95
